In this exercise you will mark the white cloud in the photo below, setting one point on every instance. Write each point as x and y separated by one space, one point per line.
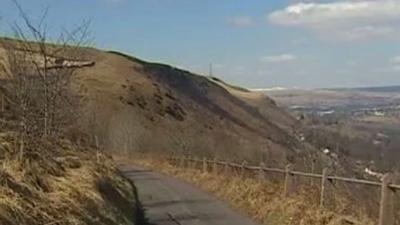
241 21
347 20
278 58
395 60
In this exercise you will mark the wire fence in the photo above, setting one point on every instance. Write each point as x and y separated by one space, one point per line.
386 187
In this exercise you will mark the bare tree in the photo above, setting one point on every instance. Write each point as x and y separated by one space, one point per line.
18 88
38 75
51 62
125 132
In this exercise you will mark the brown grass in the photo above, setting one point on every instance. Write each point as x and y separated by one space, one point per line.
261 201
60 186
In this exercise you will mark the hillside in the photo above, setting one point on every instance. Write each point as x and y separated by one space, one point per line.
133 105
142 106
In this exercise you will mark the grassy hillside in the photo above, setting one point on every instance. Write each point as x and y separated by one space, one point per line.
142 106
58 183
51 174
134 105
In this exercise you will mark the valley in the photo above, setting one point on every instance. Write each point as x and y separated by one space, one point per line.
361 123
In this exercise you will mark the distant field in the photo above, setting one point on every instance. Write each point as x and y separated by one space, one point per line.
336 97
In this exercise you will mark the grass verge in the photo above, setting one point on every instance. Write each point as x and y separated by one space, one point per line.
261 201
59 184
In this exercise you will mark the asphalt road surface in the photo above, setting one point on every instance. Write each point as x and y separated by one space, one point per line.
170 201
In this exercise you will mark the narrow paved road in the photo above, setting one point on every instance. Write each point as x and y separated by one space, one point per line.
169 201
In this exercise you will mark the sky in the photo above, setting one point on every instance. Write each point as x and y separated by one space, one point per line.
252 43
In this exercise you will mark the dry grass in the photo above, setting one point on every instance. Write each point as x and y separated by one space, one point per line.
262 201
60 186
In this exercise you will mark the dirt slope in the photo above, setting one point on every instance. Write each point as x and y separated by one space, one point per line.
133 105
155 107
262 102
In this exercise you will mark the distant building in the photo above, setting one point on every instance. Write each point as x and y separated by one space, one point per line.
379 113
326 112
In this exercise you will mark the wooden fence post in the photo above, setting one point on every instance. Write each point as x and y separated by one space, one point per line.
312 171
288 181
215 168
386 209
261 173
242 169
323 187
205 169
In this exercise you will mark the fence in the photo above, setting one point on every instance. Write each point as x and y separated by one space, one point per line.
387 186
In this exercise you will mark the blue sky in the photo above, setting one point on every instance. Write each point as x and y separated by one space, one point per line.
254 43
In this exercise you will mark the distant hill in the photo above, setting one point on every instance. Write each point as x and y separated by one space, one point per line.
337 97
383 89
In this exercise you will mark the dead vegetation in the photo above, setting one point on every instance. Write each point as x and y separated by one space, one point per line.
35 79
58 184
50 171
264 201
163 103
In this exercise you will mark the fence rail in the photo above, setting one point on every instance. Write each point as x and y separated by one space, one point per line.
387 186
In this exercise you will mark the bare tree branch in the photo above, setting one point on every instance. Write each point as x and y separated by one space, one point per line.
38 76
